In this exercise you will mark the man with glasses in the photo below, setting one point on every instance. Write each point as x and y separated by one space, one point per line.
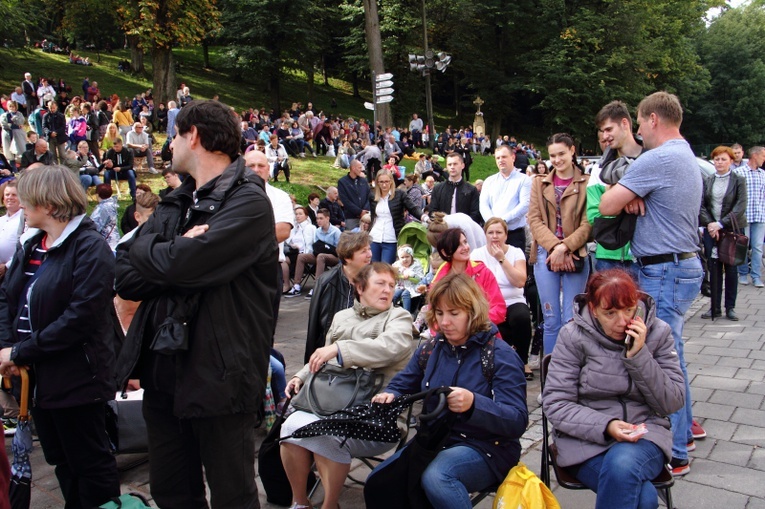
138 142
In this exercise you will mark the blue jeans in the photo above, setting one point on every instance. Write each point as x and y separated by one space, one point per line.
674 286
602 264
89 180
622 475
121 175
452 476
756 233
278 379
384 252
549 288
405 296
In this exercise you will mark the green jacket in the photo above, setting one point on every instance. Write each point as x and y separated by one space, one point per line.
595 190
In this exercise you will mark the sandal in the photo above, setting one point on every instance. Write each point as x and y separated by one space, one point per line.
529 375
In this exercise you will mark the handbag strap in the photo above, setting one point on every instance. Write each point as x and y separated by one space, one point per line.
734 222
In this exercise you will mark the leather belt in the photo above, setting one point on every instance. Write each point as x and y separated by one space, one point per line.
664 258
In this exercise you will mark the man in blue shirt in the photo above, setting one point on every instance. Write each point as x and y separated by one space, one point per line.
665 188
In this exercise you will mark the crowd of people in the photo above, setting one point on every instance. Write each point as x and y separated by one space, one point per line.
395 257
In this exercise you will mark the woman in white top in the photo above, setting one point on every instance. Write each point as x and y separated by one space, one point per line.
300 241
508 264
387 206
11 225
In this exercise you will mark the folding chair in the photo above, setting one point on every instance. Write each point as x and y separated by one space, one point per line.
663 482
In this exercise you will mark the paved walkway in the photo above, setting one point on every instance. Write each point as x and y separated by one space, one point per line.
726 362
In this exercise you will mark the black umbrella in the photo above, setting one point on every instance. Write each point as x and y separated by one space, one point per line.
21 468
407 469
373 421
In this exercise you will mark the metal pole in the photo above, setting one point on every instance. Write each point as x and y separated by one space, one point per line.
374 101
428 94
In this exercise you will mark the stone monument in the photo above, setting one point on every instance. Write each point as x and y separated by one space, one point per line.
479 126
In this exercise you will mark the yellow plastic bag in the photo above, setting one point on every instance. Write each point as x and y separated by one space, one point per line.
522 489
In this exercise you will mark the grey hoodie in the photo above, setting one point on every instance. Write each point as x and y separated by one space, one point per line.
591 382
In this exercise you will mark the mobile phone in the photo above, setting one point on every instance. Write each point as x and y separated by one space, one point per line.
639 312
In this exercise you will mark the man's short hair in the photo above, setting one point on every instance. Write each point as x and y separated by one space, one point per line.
144 187
507 148
665 105
167 171
736 145
146 201
323 212
453 155
755 150
217 127
616 111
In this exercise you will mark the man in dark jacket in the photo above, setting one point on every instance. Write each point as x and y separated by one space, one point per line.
38 154
331 203
456 194
118 164
204 267
54 129
354 193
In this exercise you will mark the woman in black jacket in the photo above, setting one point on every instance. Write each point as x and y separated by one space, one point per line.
723 207
54 317
387 206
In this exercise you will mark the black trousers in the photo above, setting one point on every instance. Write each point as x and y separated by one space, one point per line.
179 448
516 329
716 270
517 238
74 441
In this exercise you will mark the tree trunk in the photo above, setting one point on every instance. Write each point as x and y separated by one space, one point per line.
376 64
496 127
355 83
273 82
206 54
324 71
310 80
136 56
456 98
164 75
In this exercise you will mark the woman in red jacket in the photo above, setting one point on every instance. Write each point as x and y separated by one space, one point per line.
454 249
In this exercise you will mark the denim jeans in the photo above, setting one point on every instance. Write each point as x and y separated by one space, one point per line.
121 175
674 286
89 180
756 233
622 475
454 475
384 252
405 296
549 288
602 264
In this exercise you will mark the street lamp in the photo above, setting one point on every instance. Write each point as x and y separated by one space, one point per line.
425 64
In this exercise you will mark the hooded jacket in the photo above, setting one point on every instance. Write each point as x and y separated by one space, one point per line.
228 278
498 417
69 309
591 382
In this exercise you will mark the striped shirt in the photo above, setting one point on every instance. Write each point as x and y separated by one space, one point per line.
755 193
24 327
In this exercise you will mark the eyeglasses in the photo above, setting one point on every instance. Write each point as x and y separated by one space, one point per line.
383 181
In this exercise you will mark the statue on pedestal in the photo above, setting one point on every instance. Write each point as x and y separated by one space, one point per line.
479 126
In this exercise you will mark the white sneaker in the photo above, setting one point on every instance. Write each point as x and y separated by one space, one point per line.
153 171
534 361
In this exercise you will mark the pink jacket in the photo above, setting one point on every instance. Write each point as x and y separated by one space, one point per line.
488 283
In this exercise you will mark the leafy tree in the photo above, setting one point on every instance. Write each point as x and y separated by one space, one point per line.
266 38
19 19
159 25
731 50
598 51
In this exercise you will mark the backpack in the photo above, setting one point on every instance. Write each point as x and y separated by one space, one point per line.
487 358
614 232
522 489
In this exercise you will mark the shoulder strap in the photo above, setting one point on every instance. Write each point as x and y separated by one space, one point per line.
487 358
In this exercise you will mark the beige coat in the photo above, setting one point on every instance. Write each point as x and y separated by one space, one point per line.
573 210
369 338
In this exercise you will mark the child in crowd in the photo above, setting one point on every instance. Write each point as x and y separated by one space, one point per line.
410 273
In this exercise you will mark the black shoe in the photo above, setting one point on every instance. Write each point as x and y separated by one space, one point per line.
708 315
731 315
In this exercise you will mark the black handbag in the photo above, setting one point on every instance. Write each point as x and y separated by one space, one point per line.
334 388
614 232
271 469
125 425
732 246
578 264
